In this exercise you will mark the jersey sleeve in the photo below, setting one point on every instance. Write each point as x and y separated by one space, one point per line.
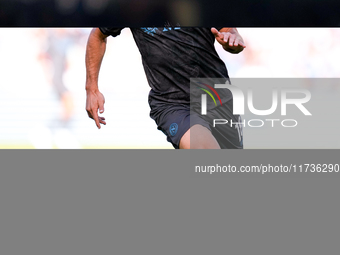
113 31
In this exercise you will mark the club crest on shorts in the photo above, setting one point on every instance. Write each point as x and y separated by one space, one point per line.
173 129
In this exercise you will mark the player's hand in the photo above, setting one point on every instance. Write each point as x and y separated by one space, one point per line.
231 41
94 102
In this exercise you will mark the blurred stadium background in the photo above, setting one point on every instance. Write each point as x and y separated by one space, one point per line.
42 82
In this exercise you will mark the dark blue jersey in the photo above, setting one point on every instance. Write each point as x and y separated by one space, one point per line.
173 55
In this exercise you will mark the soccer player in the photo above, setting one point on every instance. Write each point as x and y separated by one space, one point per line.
171 56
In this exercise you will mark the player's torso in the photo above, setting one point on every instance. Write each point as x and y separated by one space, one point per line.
173 55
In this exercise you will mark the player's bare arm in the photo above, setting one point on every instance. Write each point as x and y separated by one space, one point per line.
230 39
95 50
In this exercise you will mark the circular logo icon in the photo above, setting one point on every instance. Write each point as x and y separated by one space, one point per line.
173 129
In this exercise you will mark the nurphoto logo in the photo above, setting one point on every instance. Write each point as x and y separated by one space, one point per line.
280 98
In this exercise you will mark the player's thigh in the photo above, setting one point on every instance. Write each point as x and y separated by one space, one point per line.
198 137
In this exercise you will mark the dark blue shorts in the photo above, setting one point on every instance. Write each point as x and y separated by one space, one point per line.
175 120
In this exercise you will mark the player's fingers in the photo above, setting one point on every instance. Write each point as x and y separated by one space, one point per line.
102 120
89 114
241 43
95 117
215 32
231 40
92 106
226 36
101 105
236 42
97 123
